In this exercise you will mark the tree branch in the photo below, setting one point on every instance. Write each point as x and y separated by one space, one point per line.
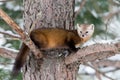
111 14
93 52
10 35
6 0
107 63
100 72
81 6
7 53
24 36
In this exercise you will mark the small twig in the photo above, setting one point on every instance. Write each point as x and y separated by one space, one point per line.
102 73
6 0
113 70
106 28
8 53
5 63
114 63
10 35
9 38
111 14
80 8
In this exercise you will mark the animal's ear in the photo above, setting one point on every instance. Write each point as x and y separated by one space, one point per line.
91 26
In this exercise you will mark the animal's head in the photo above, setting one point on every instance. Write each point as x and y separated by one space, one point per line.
85 30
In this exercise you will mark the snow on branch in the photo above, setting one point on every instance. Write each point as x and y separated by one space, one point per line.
93 52
24 36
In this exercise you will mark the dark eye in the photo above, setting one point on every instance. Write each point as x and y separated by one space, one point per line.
80 31
86 31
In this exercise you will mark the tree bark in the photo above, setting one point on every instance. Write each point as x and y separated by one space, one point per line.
49 14
49 68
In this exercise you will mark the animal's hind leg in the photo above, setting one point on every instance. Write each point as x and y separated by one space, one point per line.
39 40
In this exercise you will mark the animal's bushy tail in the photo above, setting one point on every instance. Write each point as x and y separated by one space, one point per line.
20 60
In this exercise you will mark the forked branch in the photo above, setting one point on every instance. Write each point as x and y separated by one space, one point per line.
24 37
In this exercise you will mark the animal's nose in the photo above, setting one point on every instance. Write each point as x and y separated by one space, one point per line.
82 35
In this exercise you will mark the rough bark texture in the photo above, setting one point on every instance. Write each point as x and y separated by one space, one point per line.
49 14
97 51
49 68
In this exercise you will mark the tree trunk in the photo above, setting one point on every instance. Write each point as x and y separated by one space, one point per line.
50 68
45 14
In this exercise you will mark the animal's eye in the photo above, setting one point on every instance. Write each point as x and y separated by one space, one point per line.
86 31
80 31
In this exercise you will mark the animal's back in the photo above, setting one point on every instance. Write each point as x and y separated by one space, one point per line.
50 38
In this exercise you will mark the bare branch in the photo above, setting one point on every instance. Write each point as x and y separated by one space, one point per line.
93 52
24 37
6 0
81 6
5 63
10 35
113 70
98 71
7 53
12 24
111 14
107 63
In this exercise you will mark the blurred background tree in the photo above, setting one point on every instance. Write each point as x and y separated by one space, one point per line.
103 13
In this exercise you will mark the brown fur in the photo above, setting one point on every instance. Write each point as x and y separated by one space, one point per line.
54 38
48 39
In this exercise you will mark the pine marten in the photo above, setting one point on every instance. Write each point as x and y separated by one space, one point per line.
54 38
